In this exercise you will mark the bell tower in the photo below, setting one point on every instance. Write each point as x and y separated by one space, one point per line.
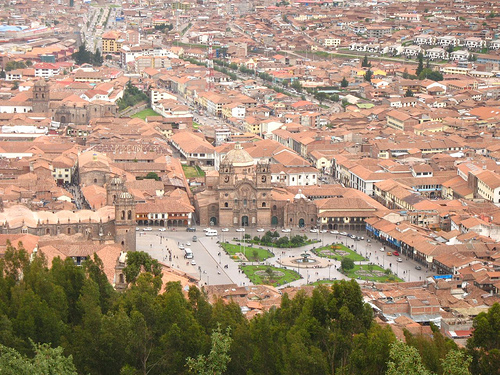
263 175
125 221
113 189
226 175
41 96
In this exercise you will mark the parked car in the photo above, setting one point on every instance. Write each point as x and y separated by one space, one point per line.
334 232
323 231
382 249
343 233
418 268
162 230
224 230
190 229
181 247
313 230
395 253
188 243
137 228
286 230
389 253
193 262
260 230
240 230
399 260
148 229
195 239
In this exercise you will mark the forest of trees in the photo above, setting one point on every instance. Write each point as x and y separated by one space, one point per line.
92 329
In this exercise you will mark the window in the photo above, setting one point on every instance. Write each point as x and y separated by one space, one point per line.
245 202
263 204
274 207
226 204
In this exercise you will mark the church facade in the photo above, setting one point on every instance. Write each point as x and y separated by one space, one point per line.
241 194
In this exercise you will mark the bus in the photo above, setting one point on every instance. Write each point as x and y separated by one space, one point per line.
188 253
211 232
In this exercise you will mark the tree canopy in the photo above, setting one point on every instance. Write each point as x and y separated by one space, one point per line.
131 96
92 329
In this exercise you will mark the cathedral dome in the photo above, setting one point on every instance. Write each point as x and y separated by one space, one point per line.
239 157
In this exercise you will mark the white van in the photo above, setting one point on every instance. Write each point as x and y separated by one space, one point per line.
188 253
211 232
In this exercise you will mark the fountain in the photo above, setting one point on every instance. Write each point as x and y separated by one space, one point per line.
305 259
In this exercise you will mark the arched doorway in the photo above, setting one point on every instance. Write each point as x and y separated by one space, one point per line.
274 220
301 223
213 220
244 221
63 119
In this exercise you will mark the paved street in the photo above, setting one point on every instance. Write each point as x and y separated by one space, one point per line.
214 266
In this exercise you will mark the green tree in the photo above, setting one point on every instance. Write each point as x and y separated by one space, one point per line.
131 96
405 360
296 85
138 260
47 361
96 58
484 345
365 63
320 96
428 73
282 242
371 350
409 93
344 83
420 67
334 97
215 363
152 176
368 75
347 264
297 240
13 65
456 363
82 56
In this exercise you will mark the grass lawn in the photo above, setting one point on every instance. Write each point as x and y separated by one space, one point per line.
253 254
191 172
195 125
145 113
270 275
323 282
288 246
338 253
371 273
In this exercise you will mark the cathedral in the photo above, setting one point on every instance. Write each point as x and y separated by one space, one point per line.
113 223
241 194
77 111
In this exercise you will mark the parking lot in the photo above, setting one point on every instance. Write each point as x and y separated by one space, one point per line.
213 266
